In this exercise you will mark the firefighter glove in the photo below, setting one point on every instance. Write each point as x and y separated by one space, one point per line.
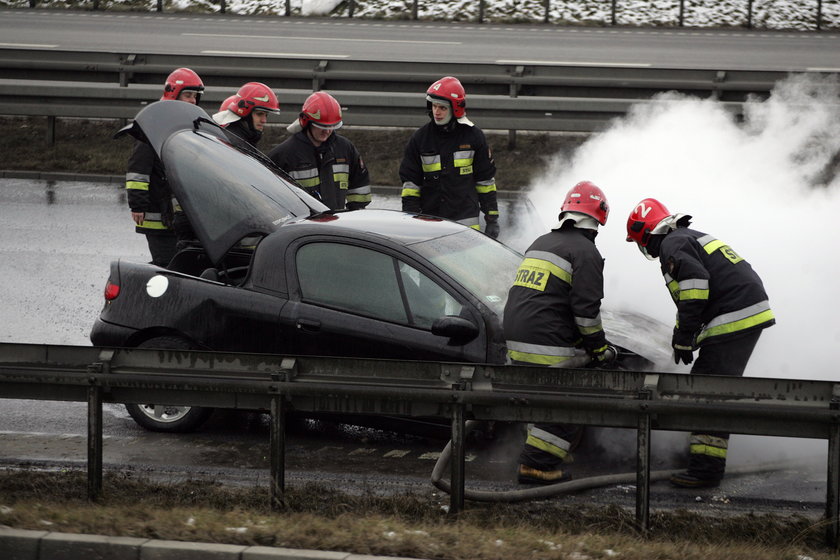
605 356
492 229
683 344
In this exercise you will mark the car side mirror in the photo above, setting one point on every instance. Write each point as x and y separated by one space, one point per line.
452 326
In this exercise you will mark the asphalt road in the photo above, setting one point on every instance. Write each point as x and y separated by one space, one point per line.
57 242
332 38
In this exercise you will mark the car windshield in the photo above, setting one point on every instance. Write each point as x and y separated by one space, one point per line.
484 267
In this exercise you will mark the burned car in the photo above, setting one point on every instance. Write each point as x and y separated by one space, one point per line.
277 272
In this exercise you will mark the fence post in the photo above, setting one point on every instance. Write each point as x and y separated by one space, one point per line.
456 495
94 440
681 18
414 10
33 3
277 436
832 501
222 6
51 131
481 11
546 18
351 8
288 8
749 14
612 12
819 15
643 455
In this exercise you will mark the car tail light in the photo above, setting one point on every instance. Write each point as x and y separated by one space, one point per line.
111 291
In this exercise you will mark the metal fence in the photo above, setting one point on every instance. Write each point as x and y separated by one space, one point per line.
509 97
454 391
680 12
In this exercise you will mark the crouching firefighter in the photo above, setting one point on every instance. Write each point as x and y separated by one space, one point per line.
553 318
721 309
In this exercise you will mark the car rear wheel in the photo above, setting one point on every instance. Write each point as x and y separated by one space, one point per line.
168 418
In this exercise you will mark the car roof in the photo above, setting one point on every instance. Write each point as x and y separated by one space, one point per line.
226 194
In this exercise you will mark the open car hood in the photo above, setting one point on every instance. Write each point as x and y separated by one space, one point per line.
226 194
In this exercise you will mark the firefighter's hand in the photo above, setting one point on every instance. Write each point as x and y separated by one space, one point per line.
605 356
138 217
686 356
492 229
683 344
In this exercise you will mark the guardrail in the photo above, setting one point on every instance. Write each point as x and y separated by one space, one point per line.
636 400
500 96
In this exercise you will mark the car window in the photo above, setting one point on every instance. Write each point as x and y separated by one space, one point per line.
370 283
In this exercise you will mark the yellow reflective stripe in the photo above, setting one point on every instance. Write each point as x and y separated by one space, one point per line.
686 295
538 359
152 225
136 185
735 326
358 198
466 162
484 189
713 246
547 447
708 450
314 182
410 189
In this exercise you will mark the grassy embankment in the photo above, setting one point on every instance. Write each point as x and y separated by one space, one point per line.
87 147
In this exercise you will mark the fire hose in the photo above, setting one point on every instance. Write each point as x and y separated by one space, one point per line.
566 487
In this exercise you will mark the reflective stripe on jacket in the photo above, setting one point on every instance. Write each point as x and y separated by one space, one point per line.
554 304
448 171
333 171
147 189
716 291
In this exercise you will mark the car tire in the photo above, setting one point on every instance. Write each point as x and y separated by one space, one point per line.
168 418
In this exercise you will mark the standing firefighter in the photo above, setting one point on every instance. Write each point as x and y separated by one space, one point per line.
149 197
721 308
324 163
244 115
553 318
448 170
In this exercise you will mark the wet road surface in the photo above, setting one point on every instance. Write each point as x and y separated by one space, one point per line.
57 242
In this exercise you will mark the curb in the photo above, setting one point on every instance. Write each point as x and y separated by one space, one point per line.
21 544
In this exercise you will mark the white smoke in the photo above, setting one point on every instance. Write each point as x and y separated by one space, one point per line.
767 185
759 185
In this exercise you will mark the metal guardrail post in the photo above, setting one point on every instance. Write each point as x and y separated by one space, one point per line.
832 502
819 15
612 13
94 441
51 131
681 18
278 452
547 11
643 456
414 10
480 11
288 8
749 14
457 476
351 8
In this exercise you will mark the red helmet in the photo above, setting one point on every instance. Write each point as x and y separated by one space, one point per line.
226 102
180 80
587 198
449 89
253 95
643 220
321 110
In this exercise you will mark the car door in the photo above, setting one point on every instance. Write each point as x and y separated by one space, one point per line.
362 300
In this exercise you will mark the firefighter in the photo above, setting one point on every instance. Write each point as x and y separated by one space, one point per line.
245 114
149 196
553 318
325 164
448 170
721 309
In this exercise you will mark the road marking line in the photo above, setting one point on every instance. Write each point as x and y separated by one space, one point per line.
432 455
28 45
576 63
362 451
319 39
398 453
299 55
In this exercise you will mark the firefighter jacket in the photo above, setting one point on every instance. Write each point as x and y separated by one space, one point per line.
448 171
717 293
554 304
148 191
334 172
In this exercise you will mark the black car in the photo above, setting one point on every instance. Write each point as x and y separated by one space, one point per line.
278 272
